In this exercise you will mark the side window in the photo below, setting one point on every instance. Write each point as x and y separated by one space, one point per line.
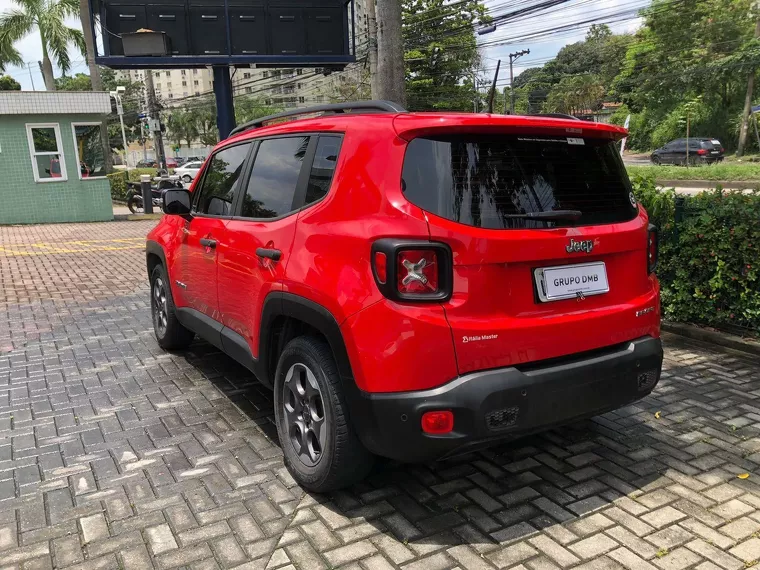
323 168
274 177
220 181
679 146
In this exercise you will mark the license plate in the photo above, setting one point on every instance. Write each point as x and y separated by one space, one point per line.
571 281
715 151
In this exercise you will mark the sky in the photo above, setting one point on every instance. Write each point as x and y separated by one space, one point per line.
541 49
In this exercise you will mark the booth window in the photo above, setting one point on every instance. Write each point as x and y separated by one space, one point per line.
89 145
46 152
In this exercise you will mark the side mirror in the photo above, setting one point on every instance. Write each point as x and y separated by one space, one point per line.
176 202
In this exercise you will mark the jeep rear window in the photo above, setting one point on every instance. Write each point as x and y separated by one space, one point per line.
480 180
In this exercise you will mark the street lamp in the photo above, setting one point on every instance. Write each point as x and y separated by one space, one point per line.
120 111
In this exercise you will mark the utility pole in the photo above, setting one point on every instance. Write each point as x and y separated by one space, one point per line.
372 49
747 104
158 139
390 52
31 78
512 58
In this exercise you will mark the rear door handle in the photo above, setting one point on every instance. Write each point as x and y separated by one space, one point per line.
273 254
206 242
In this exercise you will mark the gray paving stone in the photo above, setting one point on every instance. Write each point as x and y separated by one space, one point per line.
149 458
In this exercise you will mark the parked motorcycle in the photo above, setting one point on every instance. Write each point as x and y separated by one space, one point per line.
135 198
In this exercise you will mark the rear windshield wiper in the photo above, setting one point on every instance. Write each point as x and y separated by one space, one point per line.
550 215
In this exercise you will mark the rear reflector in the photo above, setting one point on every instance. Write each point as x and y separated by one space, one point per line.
438 422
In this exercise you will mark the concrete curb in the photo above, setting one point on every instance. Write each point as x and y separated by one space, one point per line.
136 217
715 337
729 184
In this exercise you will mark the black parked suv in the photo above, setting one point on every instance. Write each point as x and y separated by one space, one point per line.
701 151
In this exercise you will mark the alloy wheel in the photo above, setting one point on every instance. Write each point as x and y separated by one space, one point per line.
160 317
304 414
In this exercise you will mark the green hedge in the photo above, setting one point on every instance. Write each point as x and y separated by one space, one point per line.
119 188
709 255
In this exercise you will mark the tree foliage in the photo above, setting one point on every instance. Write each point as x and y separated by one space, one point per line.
578 79
47 17
440 52
705 51
197 121
7 83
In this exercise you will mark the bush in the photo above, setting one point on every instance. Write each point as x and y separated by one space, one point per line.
134 174
709 255
119 188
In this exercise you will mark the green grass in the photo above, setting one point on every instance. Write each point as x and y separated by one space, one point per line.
724 171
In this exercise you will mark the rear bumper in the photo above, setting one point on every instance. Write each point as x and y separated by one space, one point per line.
506 402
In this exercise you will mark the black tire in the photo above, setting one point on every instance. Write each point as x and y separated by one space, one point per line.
342 460
187 179
135 204
169 331
656 160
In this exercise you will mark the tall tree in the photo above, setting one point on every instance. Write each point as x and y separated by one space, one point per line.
441 52
89 42
47 17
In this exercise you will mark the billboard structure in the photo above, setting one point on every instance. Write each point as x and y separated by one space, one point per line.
160 34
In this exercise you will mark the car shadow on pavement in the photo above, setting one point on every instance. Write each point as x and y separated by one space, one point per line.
549 487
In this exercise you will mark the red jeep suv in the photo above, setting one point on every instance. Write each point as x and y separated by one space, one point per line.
414 285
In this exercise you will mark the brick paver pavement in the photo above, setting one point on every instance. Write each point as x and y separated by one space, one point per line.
116 454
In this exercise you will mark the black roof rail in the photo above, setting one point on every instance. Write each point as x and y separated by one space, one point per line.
377 106
555 116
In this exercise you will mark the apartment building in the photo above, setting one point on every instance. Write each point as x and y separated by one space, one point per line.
173 85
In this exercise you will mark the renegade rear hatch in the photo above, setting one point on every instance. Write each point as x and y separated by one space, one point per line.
549 247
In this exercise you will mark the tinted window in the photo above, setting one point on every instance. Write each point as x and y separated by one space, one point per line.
323 168
679 146
220 181
480 181
274 177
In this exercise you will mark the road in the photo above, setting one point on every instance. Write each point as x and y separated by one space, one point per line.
117 454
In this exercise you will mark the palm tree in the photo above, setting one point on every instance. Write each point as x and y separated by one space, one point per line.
89 41
46 16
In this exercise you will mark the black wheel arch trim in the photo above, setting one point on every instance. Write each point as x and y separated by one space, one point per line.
154 248
280 303
321 319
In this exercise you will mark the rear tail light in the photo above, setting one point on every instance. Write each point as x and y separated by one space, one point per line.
381 263
652 248
417 271
701 151
438 422
407 270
